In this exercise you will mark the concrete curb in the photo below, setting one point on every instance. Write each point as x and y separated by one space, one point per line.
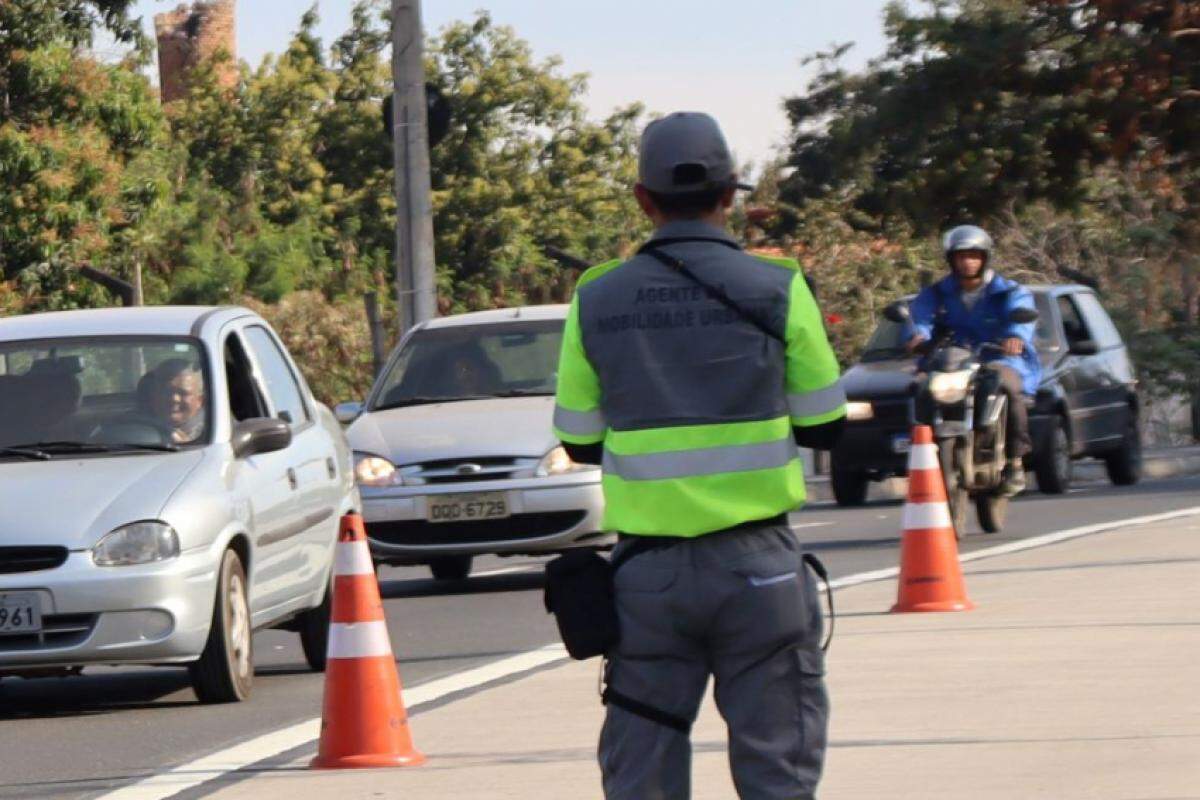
1166 463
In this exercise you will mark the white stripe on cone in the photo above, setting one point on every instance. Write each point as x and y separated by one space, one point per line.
923 456
926 515
353 558
359 640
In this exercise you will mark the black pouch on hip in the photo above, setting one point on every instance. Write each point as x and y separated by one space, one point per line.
580 595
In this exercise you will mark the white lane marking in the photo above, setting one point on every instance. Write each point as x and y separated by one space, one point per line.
922 516
359 639
232 759
507 570
188 776
352 558
800 525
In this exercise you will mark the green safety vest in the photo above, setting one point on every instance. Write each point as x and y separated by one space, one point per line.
695 405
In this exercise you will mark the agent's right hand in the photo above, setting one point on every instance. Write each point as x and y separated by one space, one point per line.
915 342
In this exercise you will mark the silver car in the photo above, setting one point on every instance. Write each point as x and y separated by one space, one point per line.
454 453
168 485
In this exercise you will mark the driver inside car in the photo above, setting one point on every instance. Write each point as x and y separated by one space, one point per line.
974 303
176 399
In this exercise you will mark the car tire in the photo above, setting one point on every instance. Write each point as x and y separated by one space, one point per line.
1053 466
1124 466
313 626
849 487
451 568
224 672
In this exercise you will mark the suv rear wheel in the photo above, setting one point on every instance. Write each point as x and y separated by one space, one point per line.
1124 466
849 486
1053 466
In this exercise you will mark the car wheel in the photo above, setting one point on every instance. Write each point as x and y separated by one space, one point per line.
314 632
451 568
1124 466
1053 466
849 487
225 671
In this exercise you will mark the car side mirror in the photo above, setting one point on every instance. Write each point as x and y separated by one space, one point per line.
897 312
1084 347
260 435
1022 316
347 412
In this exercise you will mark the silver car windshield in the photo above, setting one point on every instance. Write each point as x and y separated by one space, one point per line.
101 394
469 362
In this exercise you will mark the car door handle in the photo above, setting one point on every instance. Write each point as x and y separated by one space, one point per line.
331 466
291 476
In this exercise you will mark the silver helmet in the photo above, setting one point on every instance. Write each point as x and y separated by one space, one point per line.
966 237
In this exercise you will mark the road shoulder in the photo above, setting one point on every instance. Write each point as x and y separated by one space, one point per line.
1066 682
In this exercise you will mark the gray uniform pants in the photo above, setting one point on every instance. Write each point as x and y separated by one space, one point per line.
740 606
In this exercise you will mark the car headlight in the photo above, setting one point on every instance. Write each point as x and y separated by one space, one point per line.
856 411
557 462
138 543
372 470
950 387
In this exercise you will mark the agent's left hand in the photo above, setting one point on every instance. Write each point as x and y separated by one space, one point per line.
1013 346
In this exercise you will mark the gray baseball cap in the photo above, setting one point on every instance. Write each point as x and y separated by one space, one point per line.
685 152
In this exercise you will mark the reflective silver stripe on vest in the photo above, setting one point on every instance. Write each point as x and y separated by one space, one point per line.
579 423
704 461
822 401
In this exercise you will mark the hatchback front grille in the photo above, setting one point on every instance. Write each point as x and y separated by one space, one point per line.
58 630
518 527
31 558
894 413
461 470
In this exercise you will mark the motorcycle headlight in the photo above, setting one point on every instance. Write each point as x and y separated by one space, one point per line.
950 387
372 470
557 462
856 411
138 543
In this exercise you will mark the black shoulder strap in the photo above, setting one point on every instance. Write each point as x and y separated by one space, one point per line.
612 697
716 292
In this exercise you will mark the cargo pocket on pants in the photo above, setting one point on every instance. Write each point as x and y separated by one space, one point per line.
813 704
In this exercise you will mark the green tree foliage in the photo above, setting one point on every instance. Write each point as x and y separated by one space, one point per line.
1072 124
70 130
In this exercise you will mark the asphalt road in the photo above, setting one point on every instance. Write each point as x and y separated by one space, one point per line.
78 737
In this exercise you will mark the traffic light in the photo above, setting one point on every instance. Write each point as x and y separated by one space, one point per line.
437 114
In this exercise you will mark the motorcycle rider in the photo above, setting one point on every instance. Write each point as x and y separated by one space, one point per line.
974 303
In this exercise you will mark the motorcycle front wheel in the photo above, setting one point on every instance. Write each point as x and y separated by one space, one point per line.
957 496
992 510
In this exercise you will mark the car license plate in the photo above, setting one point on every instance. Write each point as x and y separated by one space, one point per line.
467 507
901 443
20 613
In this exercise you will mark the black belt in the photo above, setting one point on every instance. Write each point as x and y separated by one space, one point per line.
663 541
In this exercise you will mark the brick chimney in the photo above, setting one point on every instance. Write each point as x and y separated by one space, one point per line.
189 35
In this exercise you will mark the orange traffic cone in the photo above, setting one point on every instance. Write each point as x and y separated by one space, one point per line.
363 723
930 576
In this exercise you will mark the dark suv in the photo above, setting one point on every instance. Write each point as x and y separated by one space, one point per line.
1086 404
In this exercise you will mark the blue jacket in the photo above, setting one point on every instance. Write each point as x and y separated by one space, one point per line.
941 304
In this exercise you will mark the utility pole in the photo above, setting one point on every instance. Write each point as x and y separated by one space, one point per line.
415 287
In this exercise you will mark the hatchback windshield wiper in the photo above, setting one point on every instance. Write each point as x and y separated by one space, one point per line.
524 393
420 401
25 452
50 449
158 448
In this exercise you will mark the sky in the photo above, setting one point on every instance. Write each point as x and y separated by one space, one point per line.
735 60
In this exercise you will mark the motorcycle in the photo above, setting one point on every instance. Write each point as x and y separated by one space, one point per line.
960 398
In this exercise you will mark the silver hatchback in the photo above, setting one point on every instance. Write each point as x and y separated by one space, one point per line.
168 484
454 452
